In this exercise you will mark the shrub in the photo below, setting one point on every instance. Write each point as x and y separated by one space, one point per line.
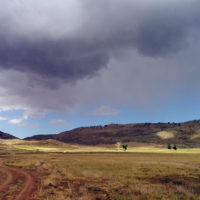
175 147
125 146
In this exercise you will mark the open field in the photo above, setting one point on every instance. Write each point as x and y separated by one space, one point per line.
89 149
50 170
60 147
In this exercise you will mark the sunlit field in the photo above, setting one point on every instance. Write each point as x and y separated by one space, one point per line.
59 147
112 175
106 149
83 172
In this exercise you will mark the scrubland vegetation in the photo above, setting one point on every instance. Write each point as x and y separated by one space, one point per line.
106 175
112 176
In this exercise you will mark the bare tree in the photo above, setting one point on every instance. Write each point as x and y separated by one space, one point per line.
118 145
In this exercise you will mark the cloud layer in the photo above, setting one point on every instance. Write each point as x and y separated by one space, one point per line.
51 52
2 118
75 39
59 122
106 110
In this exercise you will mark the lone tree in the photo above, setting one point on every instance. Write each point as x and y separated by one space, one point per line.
169 146
125 146
175 147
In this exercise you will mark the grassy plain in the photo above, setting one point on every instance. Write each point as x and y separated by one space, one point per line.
83 174
59 147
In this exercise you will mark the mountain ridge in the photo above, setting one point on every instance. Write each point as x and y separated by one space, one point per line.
6 136
186 133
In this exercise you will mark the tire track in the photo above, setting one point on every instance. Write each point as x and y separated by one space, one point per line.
8 180
28 185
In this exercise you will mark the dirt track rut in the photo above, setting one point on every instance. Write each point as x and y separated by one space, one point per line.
28 182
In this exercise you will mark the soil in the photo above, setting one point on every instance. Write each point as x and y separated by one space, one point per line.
12 174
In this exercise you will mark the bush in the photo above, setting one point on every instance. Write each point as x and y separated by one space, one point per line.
125 146
169 146
175 147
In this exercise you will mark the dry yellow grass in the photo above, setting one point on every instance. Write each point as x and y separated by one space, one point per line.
113 175
196 136
165 134
68 148
76 172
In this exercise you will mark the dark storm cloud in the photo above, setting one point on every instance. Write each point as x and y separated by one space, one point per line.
53 43
52 58
165 29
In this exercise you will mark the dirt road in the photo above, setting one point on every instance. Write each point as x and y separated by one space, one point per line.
13 174
8 179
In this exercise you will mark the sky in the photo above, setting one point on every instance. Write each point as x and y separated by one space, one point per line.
72 63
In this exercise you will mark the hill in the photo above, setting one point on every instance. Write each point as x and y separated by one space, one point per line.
186 134
40 137
6 136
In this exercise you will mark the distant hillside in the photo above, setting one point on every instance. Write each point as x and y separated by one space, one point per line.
6 136
41 137
186 134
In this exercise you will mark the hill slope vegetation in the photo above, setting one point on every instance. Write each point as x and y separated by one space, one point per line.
187 134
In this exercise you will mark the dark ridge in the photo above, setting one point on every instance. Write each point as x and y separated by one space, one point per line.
40 137
141 132
6 136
